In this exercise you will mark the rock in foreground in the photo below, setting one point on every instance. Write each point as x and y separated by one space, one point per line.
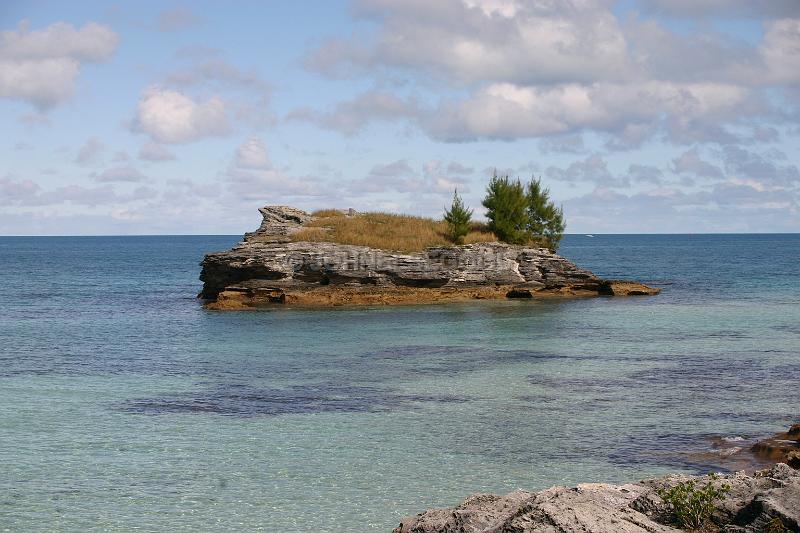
268 267
766 501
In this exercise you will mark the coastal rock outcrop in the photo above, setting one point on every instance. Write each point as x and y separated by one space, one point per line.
755 503
783 447
269 267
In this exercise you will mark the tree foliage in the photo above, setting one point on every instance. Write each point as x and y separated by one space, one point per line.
545 221
458 218
506 209
523 214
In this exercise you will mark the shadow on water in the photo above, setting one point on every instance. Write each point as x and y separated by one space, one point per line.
246 401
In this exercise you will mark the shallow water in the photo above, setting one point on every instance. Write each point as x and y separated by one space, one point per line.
124 405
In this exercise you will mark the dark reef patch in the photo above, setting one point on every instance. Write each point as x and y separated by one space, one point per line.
246 401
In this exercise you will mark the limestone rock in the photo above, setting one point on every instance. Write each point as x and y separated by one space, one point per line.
267 262
770 496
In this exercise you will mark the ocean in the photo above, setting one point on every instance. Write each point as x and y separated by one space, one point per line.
126 406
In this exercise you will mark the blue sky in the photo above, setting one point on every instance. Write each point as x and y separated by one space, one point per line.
649 116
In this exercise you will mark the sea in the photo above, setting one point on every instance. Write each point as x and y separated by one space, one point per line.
125 406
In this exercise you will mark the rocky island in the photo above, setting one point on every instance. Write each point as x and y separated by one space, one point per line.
274 265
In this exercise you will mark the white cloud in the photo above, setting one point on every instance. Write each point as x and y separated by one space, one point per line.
15 190
592 169
253 154
40 66
726 207
781 51
352 116
90 151
436 178
762 168
252 176
171 117
119 174
728 8
30 193
690 162
155 152
542 42
510 69
507 111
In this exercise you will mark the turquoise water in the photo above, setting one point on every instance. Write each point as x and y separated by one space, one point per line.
124 405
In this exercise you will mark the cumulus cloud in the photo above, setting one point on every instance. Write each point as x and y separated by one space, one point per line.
511 69
571 144
592 169
520 42
30 193
759 168
507 111
352 116
15 190
780 51
691 163
253 177
399 176
728 8
155 152
90 151
171 117
457 168
253 154
213 69
645 174
40 66
120 174
727 206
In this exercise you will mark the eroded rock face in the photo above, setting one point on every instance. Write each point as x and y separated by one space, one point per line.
268 267
753 502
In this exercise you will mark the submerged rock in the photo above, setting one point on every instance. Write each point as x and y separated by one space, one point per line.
268 267
770 498
783 447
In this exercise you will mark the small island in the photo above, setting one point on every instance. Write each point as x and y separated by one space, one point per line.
334 257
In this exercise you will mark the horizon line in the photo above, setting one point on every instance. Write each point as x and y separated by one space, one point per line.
580 234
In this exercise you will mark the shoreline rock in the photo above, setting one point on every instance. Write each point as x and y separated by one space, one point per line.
267 267
766 499
783 447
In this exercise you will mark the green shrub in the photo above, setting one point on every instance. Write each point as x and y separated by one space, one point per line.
691 504
458 219
545 220
775 526
523 214
506 207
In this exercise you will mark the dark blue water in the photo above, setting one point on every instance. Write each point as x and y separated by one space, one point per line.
124 404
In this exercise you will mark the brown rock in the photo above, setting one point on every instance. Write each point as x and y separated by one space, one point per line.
783 447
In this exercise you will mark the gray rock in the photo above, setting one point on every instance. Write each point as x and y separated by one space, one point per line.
753 502
268 259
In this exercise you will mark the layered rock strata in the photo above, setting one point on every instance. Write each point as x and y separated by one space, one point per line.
269 267
765 501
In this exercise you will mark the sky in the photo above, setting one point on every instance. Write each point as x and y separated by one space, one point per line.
641 116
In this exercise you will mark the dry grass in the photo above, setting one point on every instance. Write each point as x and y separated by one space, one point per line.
387 231
328 213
